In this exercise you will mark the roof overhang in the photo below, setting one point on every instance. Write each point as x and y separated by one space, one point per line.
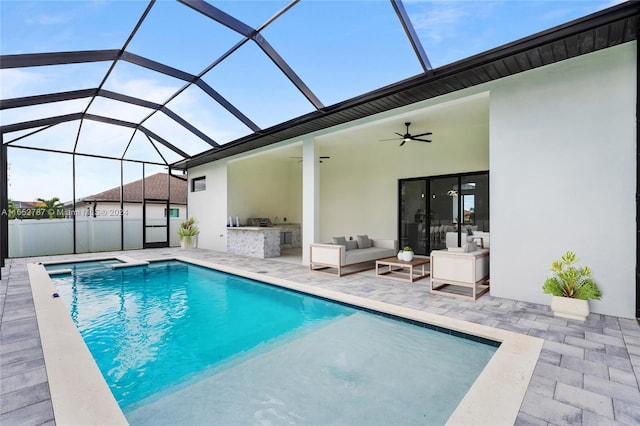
611 27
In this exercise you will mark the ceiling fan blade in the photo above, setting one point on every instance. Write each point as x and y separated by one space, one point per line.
399 134
392 139
420 140
421 134
403 142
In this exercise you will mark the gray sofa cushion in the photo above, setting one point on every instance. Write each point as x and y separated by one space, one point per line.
363 241
342 241
352 245
368 254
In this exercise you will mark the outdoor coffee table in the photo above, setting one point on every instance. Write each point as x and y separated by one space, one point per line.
402 270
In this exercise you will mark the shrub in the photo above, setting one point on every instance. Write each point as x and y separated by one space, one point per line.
568 280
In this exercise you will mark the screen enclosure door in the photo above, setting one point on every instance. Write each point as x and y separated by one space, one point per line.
155 223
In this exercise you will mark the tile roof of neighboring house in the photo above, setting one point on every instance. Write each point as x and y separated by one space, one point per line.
155 187
28 204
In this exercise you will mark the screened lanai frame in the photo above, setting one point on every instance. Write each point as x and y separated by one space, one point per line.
26 129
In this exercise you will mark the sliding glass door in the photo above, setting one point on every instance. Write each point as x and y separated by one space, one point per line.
444 210
437 212
413 221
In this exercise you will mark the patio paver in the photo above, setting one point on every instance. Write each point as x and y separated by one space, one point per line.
587 373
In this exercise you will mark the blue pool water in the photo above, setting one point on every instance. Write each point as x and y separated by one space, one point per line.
179 343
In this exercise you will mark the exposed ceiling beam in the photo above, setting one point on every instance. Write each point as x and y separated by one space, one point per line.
46 98
39 59
80 154
152 105
287 71
128 99
219 16
115 121
188 126
86 93
157 66
411 33
56 58
185 76
79 116
227 105
229 21
16 127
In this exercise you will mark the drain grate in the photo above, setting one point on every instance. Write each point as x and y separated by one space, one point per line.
262 272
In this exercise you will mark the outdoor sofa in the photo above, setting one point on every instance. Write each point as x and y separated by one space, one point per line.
333 257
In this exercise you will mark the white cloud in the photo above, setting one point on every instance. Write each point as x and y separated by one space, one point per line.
40 20
439 21
15 81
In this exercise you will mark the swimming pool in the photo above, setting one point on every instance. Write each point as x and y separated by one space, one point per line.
303 355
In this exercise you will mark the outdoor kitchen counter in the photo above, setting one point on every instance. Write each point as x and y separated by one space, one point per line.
257 241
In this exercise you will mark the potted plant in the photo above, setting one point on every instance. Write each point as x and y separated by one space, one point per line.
407 254
571 287
188 232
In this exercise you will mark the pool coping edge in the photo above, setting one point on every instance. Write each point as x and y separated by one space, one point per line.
79 393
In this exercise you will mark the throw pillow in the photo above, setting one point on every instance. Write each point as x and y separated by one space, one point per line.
363 241
470 246
352 245
342 241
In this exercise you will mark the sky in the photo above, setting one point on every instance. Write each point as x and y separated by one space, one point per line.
339 49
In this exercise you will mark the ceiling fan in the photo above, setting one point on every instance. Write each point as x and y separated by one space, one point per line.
409 137
321 158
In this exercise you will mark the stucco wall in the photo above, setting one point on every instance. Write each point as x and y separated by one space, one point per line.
209 207
261 187
359 185
563 173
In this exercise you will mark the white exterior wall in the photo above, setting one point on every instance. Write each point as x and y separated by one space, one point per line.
563 169
209 207
260 188
359 187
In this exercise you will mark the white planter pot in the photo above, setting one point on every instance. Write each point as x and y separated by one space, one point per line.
407 256
567 307
186 242
400 255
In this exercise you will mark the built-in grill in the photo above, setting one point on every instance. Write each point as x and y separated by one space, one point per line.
259 221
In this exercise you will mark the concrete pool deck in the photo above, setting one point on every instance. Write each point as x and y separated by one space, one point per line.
586 373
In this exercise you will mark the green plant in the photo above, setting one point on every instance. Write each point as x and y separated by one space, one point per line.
407 248
52 207
188 228
12 209
571 281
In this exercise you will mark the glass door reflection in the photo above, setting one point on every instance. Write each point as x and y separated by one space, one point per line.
440 211
413 220
444 210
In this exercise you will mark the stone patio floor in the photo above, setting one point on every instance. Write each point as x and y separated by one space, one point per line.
588 373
